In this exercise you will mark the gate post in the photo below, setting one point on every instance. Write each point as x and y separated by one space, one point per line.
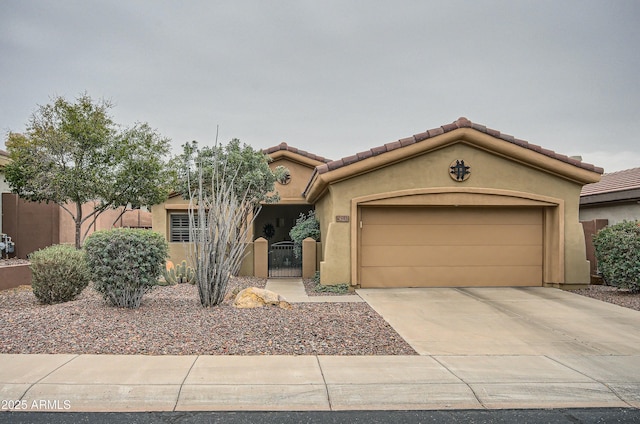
261 258
308 258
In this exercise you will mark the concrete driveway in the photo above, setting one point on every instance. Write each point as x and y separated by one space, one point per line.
522 347
506 321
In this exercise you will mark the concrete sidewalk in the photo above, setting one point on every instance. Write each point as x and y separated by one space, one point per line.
293 290
479 348
219 383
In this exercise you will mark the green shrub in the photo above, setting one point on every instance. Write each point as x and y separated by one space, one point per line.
618 254
60 273
125 263
342 288
306 226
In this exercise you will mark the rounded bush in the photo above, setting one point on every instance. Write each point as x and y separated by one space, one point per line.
306 226
618 253
125 263
60 273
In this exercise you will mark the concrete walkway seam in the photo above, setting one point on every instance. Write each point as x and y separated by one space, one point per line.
47 375
326 387
592 378
183 381
461 380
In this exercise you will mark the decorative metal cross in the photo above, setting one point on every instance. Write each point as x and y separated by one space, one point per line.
460 170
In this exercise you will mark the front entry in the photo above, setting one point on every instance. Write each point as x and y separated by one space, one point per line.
274 224
283 262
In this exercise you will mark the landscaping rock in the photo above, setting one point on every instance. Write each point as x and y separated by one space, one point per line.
254 297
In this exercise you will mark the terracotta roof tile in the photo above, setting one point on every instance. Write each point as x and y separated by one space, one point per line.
379 150
460 123
421 137
450 127
3 153
350 159
364 155
407 141
628 179
285 146
393 145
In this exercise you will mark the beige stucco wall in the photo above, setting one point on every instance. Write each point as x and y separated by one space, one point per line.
488 170
615 213
300 173
160 224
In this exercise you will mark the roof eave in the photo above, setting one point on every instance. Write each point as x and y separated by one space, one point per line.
324 175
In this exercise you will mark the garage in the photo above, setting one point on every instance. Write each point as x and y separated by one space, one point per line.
450 246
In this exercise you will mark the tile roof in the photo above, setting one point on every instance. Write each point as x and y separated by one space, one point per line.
627 179
285 146
460 123
4 153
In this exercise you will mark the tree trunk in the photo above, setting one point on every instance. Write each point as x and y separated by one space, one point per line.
78 222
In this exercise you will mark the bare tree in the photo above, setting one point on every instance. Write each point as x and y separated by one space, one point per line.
220 218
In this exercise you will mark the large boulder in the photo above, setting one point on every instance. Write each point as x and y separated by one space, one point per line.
254 297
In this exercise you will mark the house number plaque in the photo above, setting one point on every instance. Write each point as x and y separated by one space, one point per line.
342 218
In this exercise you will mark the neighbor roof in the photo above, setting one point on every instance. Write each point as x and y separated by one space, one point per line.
627 179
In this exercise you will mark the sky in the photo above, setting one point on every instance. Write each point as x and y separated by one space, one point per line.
336 77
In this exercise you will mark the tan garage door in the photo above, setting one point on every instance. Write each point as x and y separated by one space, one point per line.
450 247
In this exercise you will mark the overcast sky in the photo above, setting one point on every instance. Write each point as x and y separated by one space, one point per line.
336 77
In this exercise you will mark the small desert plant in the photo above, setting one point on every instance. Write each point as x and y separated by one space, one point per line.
306 226
60 273
125 263
618 254
178 274
342 288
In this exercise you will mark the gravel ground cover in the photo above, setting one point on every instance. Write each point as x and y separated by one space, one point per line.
612 295
172 322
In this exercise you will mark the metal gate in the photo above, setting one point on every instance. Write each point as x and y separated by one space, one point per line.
282 262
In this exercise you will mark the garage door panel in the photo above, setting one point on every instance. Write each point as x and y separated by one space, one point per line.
448 247
437 216
468 276
451 234
398 256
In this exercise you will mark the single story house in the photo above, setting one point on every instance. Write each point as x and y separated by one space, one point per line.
616 197
613 199
455 206
34 226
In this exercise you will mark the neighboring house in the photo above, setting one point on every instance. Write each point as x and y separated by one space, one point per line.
33 226
616 197
459 205
613 199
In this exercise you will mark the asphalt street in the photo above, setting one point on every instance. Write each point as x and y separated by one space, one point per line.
520 416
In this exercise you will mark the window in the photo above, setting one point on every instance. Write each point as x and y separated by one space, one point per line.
179 227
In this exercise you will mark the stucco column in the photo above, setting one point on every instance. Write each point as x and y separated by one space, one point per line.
308 257
261 258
